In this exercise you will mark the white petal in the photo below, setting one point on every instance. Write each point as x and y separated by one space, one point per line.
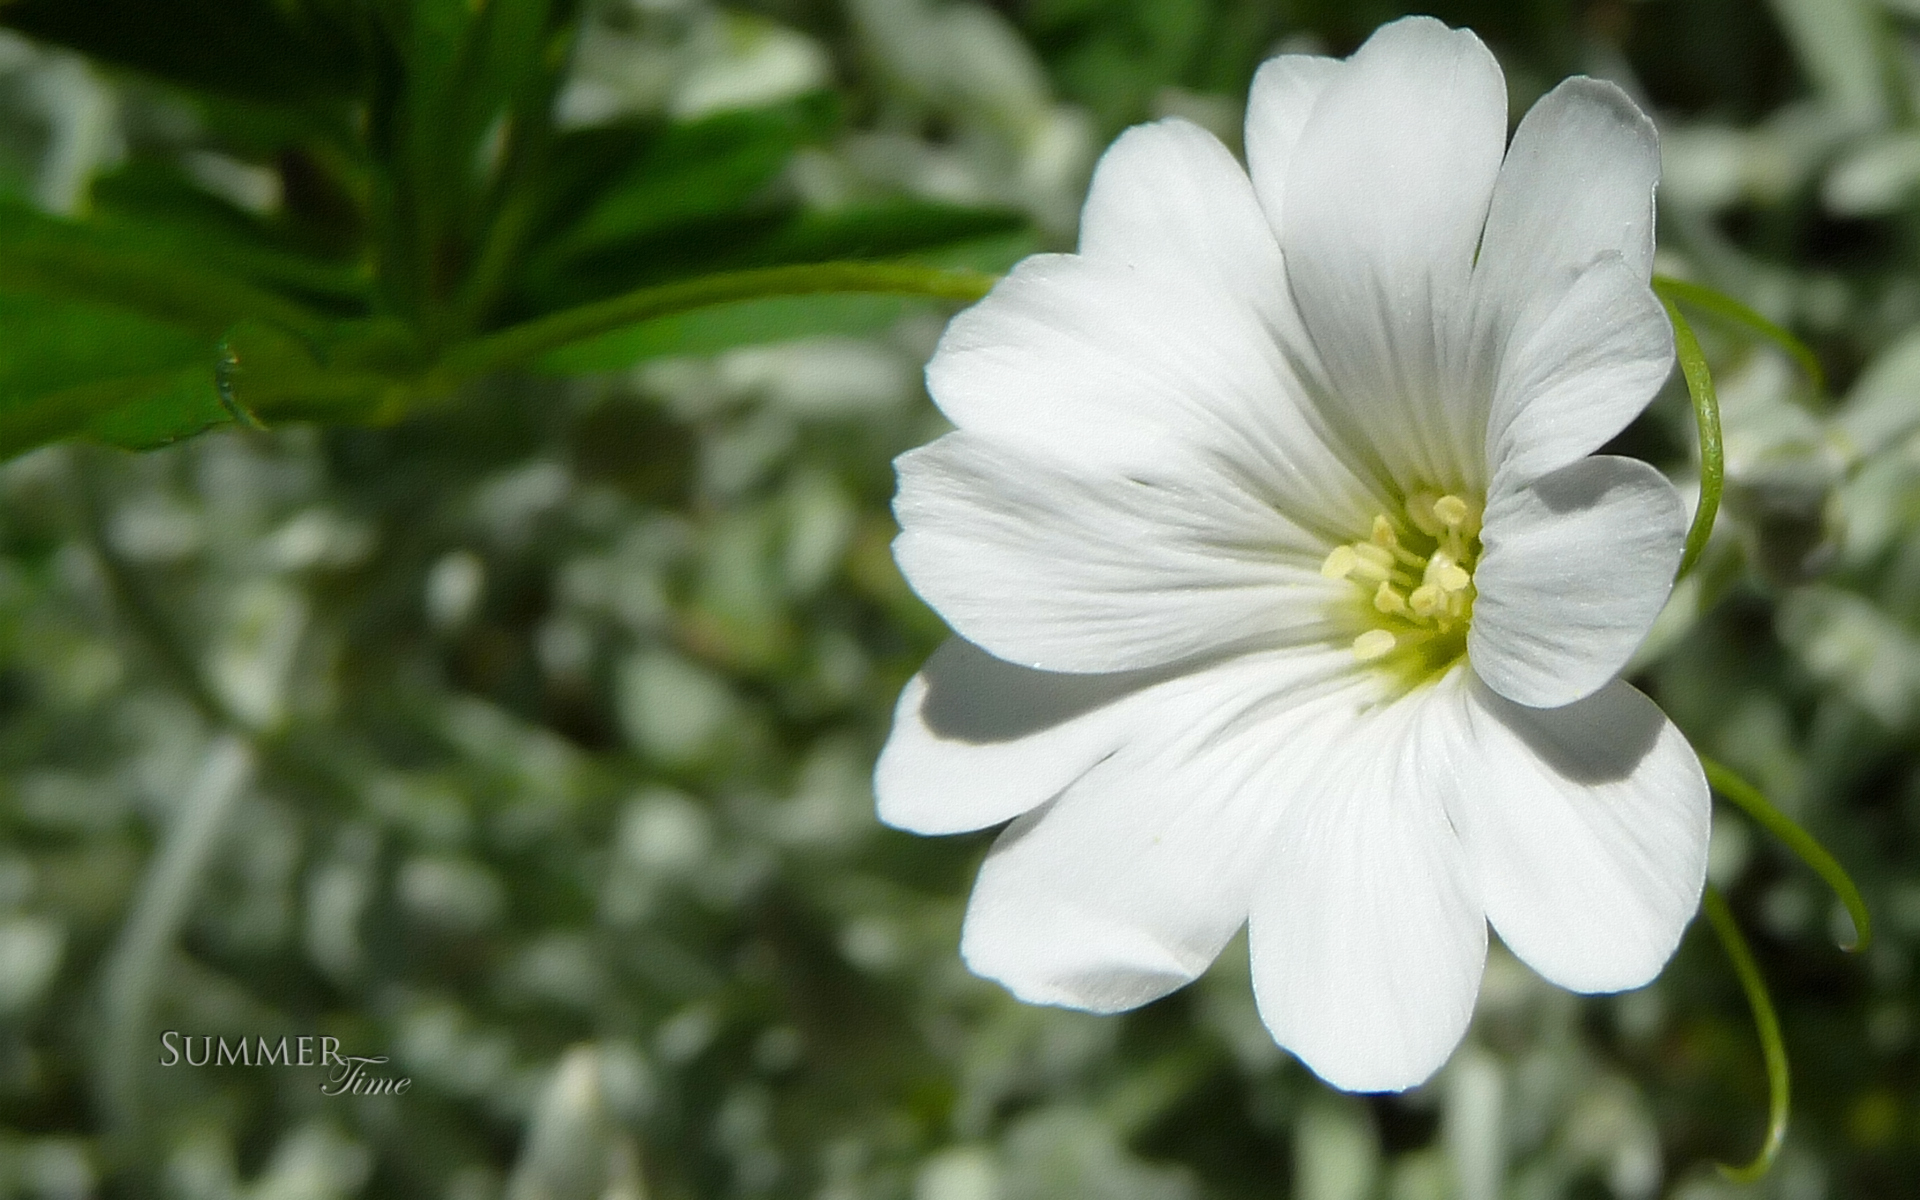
1385 201
1285 89
1577 185
1100 367
1067 572
1127 886
1168 199
1586 828
1576 566
1578 375
1366 934
977 741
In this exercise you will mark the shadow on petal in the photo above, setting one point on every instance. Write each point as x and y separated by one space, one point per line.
975 697
1601 739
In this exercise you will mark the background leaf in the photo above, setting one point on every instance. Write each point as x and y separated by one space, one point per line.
282 53
68 369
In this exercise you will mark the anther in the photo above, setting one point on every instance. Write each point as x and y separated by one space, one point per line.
1374 554
1374 643
1420 512
1371 564
1444 573
1419 591
1427 600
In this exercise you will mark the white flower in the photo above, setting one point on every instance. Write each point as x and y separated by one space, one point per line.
1290 593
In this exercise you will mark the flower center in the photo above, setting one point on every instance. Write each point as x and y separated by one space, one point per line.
1414 577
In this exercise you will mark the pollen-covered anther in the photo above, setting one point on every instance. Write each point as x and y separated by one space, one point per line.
1417 573
1374 643
1442 572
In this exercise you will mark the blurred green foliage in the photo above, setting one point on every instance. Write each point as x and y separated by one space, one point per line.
561 687
349 194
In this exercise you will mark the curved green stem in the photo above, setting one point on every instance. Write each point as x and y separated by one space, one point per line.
1706 414
137 607
523 343
136 962
1671 290
1752 802
1772 1048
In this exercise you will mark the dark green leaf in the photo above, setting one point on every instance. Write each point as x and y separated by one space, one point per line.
153 204
182 405
267 375
530 341
64 259
700 169
475 85
711 330
1113 57
70 369
723 327
886 230
284 53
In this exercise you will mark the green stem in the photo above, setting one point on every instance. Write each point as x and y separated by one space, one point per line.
1147 1093
131 974
150 627
1772 1048
1706 413
510 210
523 343
138 609
1718 303
1752 802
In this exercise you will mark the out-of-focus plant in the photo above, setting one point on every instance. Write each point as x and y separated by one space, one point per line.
572 685
389 200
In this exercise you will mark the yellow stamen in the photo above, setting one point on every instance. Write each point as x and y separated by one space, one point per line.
1369 570
1374 643
1373 553
1420 512
1417 569
1444 573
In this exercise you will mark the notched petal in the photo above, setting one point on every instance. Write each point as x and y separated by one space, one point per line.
1577 375
1128 884
1168 199
1085 572
1367 935
1586 827
1577 183
1575 568
1386 199
977 741
1285 89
